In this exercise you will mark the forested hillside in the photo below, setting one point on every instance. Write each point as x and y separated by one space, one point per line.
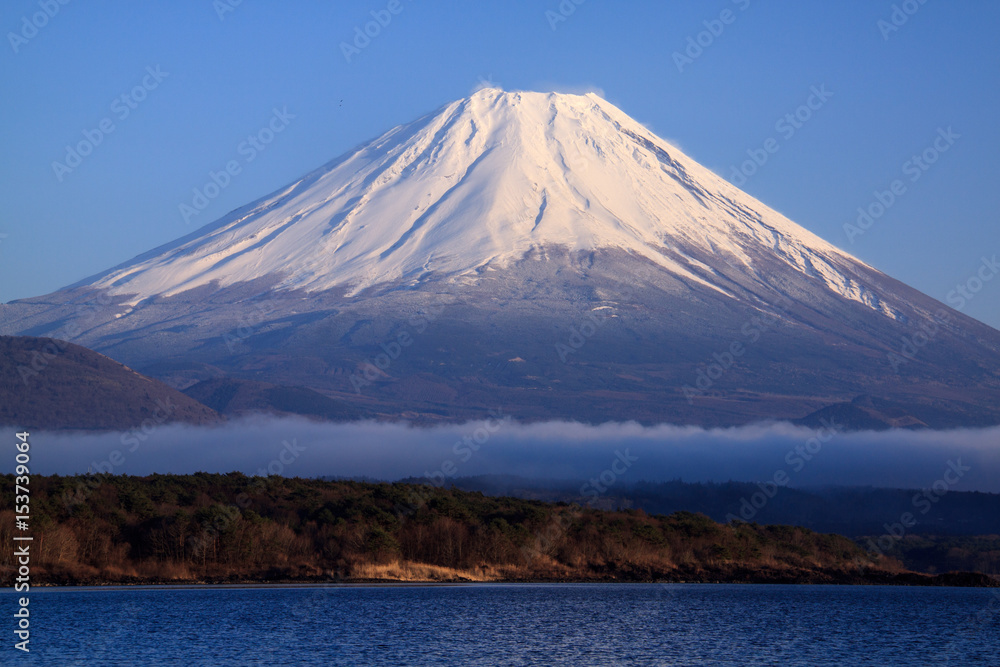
205 527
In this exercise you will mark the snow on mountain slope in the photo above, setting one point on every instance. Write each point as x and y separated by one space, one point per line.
483 181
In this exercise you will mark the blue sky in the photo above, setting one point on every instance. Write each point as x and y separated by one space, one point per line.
221 74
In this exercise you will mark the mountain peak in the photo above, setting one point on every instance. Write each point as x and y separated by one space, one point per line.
487 181
525 225
494 92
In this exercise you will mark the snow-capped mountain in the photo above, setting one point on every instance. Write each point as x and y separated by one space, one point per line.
535 250
480 183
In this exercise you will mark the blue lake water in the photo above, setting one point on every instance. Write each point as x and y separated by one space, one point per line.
498 624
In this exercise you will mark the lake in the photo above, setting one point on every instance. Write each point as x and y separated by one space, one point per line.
511 624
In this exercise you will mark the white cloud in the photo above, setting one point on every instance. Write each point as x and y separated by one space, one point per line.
546 450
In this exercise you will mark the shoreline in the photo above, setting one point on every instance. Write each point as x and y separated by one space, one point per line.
212 530
903 579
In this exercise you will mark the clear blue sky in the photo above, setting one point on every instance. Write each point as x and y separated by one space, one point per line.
224 77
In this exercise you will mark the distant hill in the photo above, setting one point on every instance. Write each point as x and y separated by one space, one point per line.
232 396
51 384
851 511
867 413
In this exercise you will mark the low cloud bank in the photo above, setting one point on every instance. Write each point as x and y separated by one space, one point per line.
297 447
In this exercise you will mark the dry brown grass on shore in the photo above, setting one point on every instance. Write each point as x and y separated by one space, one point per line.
411 571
